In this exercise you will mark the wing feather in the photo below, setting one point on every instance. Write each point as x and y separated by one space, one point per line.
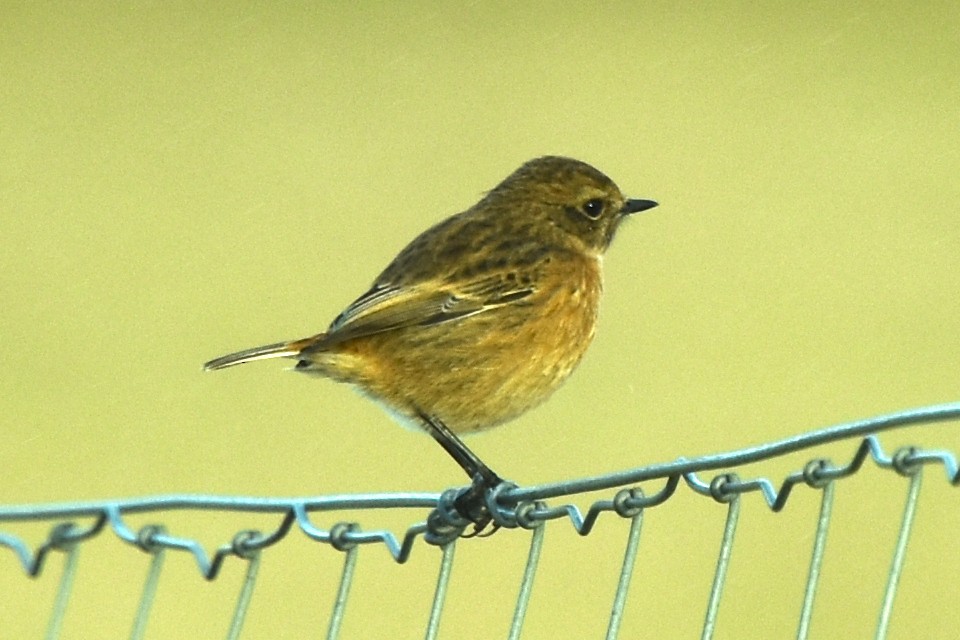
386 307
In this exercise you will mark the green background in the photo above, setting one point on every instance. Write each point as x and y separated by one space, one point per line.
178 182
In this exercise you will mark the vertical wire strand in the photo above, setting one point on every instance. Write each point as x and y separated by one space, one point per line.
63 593
899 555
246 593
147 597
526 584
626 572
440 594
816 560
343 592
723 562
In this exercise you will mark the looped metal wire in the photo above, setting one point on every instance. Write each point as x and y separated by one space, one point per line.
725 487
445 524
67 534
146 538
904 463
814 473
340 535
502 516
629 502
247 543
508 505
528 515
64 535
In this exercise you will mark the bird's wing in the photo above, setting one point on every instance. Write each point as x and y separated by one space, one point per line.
387 306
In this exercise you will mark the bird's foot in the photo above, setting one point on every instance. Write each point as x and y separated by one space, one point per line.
472 505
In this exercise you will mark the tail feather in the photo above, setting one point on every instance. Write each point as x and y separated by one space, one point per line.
266 352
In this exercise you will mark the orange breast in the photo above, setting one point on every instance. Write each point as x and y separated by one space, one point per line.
479 371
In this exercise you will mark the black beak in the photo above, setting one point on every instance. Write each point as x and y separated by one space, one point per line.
635 206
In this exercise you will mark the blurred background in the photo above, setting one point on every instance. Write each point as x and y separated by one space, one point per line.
177 182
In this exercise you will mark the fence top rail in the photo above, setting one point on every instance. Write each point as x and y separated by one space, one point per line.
510 506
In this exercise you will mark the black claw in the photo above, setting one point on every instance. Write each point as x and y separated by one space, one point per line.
472 505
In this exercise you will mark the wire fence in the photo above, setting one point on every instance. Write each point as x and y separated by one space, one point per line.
512 507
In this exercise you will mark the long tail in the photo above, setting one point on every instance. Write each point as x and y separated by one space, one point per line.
266 352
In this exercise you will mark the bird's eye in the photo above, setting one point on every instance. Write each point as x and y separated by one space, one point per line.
593 208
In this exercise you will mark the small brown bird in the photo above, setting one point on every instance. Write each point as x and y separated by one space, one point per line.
482 316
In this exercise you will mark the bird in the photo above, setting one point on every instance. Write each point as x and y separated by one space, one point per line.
481 317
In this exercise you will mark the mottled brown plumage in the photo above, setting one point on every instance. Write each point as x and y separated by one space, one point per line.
482 316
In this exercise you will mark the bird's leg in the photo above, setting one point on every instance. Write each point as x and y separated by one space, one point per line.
474 467
470 504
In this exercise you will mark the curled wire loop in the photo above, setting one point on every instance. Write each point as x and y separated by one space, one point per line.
509 506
